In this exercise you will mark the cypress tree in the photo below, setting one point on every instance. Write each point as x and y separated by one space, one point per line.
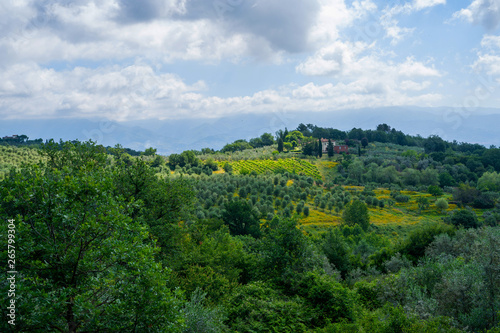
320 148
330 148
280 145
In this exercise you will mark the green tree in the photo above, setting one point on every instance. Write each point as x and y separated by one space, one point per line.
306 211
149 152
330 148
489 181
356 213
445 179
320 149
86 264
422 202
465 218
267 139
442 204
364 142
240 218
280 145
435 190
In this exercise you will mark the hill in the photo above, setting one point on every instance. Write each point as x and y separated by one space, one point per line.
388 237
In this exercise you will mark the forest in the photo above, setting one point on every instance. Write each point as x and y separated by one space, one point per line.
271 234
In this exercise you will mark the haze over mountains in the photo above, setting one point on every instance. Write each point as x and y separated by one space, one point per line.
173 136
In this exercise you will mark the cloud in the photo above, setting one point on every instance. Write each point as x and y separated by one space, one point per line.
488 58
391 25
422 4
483 12
120 93
490 41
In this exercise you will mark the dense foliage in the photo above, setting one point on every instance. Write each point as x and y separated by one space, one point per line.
403 238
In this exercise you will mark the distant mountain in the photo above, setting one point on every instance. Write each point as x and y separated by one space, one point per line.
172 136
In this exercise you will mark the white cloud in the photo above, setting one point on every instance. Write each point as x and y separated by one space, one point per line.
391 25
489 63
490 41
484 12
488 58
422 4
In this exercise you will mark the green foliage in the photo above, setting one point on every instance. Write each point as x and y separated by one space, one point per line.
422 202
187 157
238 145
465 218
280 145
466 194
330 300
257 307
435 190
149 152
200 318
86 264
356 213
414 246
445 179
442 204
240 219
336 250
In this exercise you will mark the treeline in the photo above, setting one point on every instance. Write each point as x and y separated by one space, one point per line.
19 140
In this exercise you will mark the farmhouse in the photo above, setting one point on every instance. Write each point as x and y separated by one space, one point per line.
338 149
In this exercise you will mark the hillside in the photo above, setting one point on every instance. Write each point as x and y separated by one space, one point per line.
263 235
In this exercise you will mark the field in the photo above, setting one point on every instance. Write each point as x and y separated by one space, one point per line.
294 166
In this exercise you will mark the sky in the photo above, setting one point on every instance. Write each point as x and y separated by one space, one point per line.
128 60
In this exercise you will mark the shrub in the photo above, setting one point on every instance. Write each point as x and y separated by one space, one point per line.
465 218
442 204
401 198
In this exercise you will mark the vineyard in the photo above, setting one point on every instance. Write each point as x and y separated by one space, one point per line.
293 166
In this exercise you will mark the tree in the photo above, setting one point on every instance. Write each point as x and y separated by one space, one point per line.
465 218
356 213
149 152
267 139
240 218
320 148
489 181
330 148
86 264
306 211
280 145
434 144
445 179
435 190
384 128
442 204
364 142
422 202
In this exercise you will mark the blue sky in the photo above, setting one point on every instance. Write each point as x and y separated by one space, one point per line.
165 59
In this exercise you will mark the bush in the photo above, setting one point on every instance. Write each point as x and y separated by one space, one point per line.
484 200
401 198
465 218
442 204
